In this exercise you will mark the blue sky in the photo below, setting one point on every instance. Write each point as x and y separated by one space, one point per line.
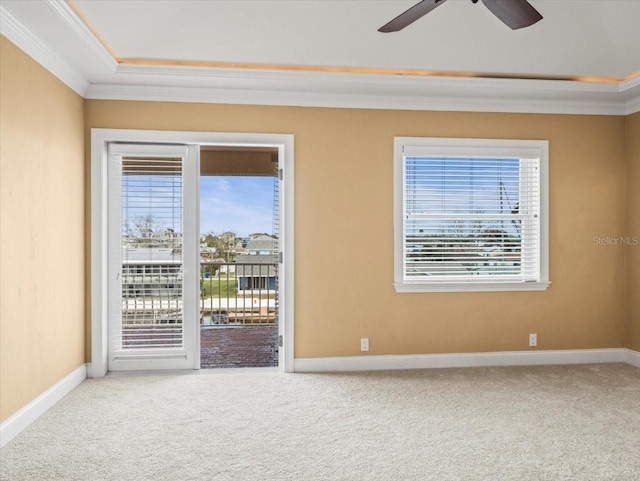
243 205
459 185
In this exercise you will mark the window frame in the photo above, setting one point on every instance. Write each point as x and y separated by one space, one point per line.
480 148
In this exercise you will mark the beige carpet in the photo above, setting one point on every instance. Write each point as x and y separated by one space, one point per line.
525 423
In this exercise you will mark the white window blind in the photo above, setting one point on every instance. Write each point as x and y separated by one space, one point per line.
152 247
469 220
152 256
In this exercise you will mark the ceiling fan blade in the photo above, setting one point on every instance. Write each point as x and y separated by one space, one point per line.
514 13
411 15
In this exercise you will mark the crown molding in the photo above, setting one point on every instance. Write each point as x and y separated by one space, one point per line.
363 91
631 84
15 31
214 73
631 91
387 97
633 106
71 18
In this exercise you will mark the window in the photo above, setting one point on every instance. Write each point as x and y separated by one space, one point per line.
470 215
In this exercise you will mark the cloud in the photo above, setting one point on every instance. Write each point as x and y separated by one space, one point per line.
240 204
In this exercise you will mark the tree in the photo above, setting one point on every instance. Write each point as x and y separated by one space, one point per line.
140 230
210 240
224 244
144 231
229 240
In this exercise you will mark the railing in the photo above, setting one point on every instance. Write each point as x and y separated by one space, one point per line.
238 293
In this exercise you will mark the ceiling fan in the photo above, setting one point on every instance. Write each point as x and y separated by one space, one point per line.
514 13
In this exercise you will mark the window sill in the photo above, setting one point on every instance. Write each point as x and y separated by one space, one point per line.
402 287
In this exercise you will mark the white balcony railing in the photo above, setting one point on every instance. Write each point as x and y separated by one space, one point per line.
238 293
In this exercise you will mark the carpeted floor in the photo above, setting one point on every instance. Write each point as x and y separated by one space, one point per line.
521 423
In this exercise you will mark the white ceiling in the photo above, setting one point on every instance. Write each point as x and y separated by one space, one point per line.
586 38
81 41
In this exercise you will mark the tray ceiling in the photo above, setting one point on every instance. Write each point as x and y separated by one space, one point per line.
583 57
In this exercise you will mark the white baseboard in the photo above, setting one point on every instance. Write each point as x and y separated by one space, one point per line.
11 427
474 359
632 357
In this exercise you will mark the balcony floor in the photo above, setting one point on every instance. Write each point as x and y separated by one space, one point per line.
238 346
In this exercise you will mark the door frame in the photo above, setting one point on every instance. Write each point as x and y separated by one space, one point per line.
100 139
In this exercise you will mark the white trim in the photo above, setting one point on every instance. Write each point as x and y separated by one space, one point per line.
12 426
465 147
632 357
15 31
630 90
471 286
99 141
364 91
99 258
631 84
474 359
633 105
468 99
286 245
77 25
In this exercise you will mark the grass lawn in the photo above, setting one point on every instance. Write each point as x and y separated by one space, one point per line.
223 287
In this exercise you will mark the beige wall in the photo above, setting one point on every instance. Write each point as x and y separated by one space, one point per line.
344 227
633 230
41 230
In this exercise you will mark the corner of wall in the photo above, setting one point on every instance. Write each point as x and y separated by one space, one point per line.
632 248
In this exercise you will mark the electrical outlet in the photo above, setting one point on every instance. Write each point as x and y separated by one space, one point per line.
364 344
533 340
